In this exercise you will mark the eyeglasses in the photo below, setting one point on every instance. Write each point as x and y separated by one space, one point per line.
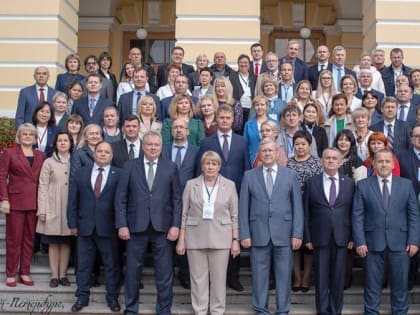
326 78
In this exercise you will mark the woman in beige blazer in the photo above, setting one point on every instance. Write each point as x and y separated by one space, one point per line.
52 206
209 232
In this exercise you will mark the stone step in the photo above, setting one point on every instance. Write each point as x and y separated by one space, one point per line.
19 307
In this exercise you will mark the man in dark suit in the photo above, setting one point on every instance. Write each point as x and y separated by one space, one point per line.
129 147
365 84
128 102
181 88
177 54
31 96
90 217
327 200
396 68
397 131
322 55
410 170
300 69
407 104
386 227
220 67
337 68
233 149
148 211
91 107
258 65
271 224
184 155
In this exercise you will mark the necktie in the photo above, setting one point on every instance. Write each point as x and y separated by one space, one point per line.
322 68
131 152
178 160
333 192
41 95
269 182
257 70
402 112
225 147
385 194
339 75
150 175
98 183
390 137
91 106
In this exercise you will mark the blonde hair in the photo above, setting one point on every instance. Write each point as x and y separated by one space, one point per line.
26 127
206 98
212 156
143 101
228 90
173 108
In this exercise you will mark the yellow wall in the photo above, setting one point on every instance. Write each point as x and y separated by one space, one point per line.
33 35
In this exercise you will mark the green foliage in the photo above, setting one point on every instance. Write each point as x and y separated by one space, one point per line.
7 133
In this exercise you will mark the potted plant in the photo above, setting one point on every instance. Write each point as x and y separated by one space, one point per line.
7 133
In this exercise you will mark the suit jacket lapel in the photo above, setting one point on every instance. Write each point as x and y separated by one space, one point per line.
34 95
376 190
260 177
24 161
109 180
320 188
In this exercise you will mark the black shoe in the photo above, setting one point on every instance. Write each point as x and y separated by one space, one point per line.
304 289
185 283
114 306
141 286
410 285
296 289
236 285
272 284
79 305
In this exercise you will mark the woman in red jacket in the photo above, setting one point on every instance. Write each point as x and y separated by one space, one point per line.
19 173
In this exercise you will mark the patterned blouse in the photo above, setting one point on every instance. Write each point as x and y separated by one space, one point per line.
305 169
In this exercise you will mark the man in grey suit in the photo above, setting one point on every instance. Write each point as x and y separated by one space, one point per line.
385 222
184 155
271 224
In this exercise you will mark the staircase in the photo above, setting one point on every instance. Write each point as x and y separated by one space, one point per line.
41 299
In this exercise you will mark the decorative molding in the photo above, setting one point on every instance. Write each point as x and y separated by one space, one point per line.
266 29
97 23
343 26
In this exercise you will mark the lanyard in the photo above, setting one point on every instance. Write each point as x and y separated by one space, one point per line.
41 139
207 190
246 82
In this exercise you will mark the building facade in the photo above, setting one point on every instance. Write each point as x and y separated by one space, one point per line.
32 35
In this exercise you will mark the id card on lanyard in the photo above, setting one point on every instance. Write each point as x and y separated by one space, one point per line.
208 206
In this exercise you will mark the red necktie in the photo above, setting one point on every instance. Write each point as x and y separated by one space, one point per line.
98 183
41 95
257 70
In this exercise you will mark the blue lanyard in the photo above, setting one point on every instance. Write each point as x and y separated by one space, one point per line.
207 190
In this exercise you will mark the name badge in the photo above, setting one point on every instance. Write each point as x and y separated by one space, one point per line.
208 210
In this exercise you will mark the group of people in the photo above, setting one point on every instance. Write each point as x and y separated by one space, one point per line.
304 166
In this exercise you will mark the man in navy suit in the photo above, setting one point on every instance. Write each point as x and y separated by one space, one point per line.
31 96
90 217
322 55
177 54
148 211
410 170
395 69
186 162
407 104
300 69
129 147
386 227
365 84
271 224
128 102
91 107
337 68
327 200
233 150
397 131
258 65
